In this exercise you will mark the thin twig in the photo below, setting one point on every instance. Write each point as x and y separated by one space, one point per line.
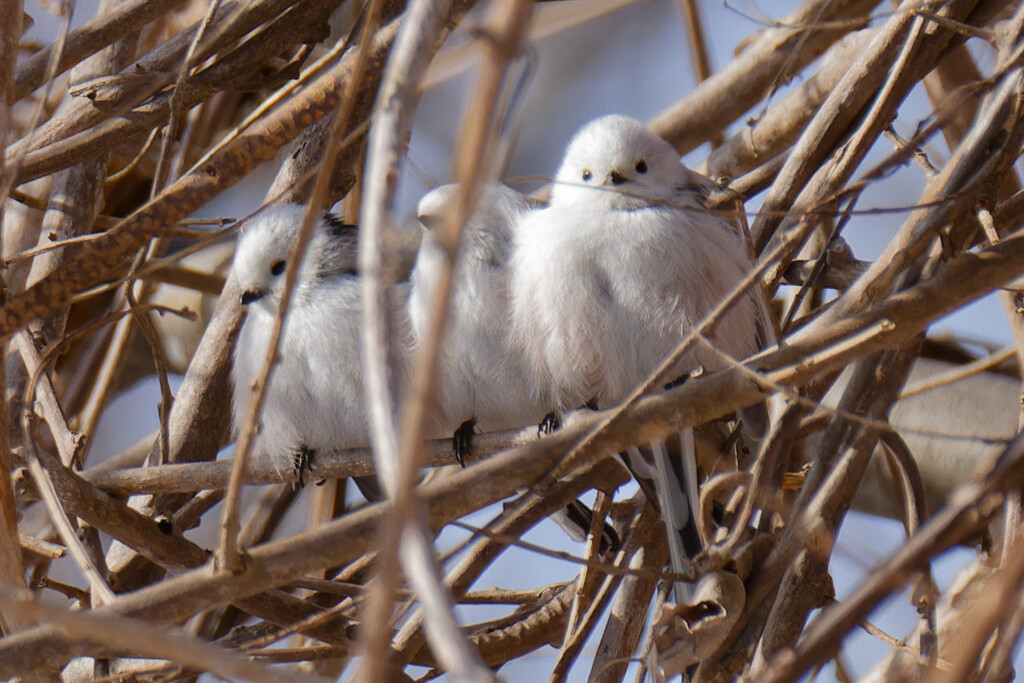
395 452
146 640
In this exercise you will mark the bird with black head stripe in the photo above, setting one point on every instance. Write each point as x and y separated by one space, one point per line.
314 400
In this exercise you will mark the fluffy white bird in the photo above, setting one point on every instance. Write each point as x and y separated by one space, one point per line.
314 400
480 379
483 380
613 274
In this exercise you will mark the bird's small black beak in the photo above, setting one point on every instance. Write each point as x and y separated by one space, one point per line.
429 222
250 295
615 178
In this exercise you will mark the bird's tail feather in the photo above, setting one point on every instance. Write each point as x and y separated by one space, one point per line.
675 483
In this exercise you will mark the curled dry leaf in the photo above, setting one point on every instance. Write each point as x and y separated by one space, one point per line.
686 634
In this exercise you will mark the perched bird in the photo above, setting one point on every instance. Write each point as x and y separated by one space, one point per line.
612 276
314 399
481 381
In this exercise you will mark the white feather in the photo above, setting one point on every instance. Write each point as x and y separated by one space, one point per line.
479 376
315 395
613 274
607 284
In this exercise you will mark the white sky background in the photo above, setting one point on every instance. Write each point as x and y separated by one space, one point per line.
634 61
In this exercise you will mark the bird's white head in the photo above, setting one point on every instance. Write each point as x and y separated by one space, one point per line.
261 257
487 236
617 161
434 205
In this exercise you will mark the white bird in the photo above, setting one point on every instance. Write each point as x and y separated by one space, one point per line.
481 380
314 400
610 278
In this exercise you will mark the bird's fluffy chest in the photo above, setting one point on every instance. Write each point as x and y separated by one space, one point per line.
623 261
606 301
314 396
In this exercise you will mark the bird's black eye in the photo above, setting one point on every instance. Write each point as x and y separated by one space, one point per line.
277 267
587 175
641 166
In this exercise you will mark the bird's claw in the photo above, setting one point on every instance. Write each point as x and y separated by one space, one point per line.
551 423
462 440
302 462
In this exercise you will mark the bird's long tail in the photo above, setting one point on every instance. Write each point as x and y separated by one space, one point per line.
675 483
667 473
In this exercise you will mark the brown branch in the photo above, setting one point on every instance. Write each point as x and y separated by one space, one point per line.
116 95
628 612
994 139
90 38
846 448
793 189
77 144
142 639
780 125
968 509
109 255
347 463
739 85
525 633
396 450
515 520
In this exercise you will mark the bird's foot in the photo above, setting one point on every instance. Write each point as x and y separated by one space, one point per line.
552 422
462 440
581 516
302 462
